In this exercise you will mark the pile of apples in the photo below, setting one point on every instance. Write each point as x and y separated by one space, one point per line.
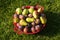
29 19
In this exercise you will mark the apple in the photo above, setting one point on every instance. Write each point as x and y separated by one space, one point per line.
35 14
29 19
33 23
25 12
31 9
15 15
25 30
18 11
43 20
27 7
37 21
37 27
23 7
23 22
19 26
33 29
39 10
15 20
21 16
30 15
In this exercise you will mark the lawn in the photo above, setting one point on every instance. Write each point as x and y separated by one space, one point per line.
52 11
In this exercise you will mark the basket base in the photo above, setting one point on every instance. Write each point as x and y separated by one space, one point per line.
21 32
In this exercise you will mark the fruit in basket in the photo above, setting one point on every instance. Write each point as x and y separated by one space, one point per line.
39 10
31 9
25 12
25 30
15 20
43 20
33 29
37 6
30 15
37 21
29 19
18 24
21 16
23 22
23 7
15 15
19 27
27 7
18 11
35 14
37 27
33 23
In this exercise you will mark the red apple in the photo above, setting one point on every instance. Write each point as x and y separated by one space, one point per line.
33 29
18 24
37 27
30 15
18 11
27 7
37 6
21 16
25 30
15 15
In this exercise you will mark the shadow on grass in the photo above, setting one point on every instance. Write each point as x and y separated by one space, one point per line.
53 25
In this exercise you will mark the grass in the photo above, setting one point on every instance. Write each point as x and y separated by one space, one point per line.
52 11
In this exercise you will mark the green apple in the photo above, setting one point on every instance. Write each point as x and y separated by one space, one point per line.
43 20
25 12
23 22
29 19
18 11
35 14
31 10
15 20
